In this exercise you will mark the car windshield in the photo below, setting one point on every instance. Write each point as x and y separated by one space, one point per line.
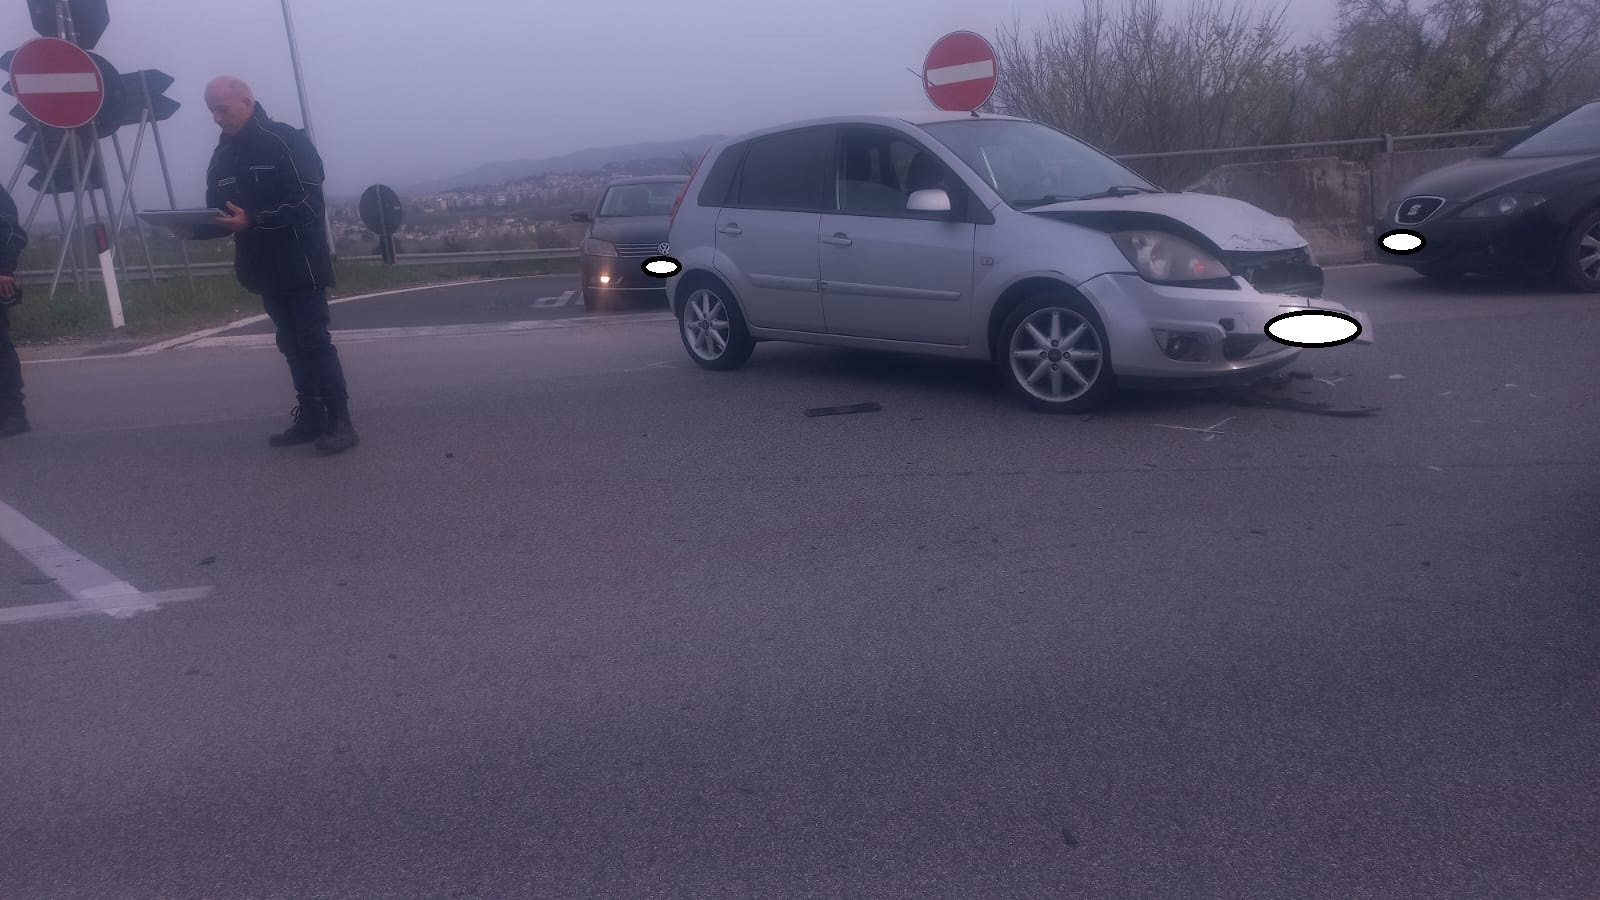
647 199
1577 132
1030 164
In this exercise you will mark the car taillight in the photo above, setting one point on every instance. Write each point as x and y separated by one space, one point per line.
685 190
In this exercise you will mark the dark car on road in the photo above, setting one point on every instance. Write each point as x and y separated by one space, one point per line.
1530 206
628 226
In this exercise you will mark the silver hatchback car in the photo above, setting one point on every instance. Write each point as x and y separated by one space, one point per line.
981 237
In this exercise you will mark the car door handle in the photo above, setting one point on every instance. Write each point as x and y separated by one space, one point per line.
838 240
732 228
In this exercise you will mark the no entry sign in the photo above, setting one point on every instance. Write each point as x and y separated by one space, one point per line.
959 73
57 83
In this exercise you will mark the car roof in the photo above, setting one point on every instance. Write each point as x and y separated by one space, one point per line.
891 118
646 179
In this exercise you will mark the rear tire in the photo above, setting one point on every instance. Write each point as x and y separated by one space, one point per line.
713 329
1054 354
1579 268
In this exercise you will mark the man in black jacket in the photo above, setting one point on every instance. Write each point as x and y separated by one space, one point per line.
13 416
268 177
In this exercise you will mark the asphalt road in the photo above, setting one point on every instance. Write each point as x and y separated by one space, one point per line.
580 619
535 298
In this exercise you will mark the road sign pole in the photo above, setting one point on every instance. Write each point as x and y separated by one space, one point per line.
33 138
128 202
112 239
305 117
166 173
47 183
79 181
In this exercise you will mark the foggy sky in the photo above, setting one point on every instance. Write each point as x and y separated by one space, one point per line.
403 91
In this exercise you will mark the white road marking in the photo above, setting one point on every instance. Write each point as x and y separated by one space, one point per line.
58 83
92 588
965 72
364 335
201 335
547 302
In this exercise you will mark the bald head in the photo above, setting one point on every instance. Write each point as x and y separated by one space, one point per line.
231 103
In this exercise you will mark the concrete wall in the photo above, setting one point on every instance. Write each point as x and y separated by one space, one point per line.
1333 202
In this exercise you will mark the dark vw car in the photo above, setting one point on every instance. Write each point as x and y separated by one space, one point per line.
1531 205
627 227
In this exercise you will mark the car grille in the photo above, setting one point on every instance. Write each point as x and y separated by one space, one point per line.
639 250
1416 210
1277 271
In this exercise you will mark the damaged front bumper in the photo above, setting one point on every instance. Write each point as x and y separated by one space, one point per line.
1176 336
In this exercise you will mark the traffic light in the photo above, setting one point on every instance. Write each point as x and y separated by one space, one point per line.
89 19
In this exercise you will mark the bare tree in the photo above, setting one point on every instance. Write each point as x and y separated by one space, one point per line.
1131 81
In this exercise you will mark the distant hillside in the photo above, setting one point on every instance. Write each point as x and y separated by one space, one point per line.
586 160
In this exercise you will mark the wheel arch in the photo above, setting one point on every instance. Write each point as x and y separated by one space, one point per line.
1014 295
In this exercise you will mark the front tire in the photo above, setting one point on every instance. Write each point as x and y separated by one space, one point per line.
1579 268
713 329
1054 354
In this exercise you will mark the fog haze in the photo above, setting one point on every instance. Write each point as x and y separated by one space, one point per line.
408 92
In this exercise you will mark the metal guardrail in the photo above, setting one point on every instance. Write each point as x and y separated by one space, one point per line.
136 272
1386 141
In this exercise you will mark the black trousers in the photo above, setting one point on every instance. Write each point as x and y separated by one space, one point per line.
10 369
301 318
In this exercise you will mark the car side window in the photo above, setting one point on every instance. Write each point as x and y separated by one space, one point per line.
787 171
878 171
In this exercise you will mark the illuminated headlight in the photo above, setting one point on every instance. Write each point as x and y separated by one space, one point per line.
1166 257
1502 205
597 247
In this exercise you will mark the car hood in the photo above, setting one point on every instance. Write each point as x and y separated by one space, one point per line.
1232 225
630 229
1471 178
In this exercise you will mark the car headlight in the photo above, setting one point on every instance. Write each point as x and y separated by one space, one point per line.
1166 257
1502 205
597 247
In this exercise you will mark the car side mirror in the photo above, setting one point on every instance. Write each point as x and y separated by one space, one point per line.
581 217
929 200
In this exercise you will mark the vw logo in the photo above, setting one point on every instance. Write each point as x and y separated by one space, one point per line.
662 248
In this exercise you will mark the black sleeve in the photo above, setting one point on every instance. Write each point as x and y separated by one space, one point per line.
12 237
300 203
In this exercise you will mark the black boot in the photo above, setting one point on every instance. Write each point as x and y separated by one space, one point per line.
310 421
14 423
340 434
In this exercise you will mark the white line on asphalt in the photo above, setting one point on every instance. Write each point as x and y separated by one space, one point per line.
365 335
92 588
201 335
547 302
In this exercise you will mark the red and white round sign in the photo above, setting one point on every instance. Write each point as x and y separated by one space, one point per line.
57 82
960 72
